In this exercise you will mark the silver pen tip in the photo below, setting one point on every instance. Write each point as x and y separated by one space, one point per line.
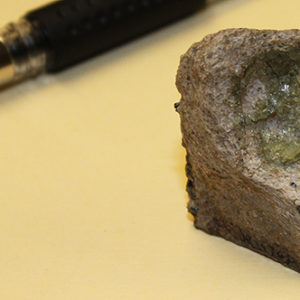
6 65
20 57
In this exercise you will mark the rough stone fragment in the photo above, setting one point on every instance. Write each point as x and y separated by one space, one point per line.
240 119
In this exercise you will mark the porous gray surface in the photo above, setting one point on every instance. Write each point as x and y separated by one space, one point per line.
239 118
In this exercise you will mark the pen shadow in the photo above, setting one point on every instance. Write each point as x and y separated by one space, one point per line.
16 92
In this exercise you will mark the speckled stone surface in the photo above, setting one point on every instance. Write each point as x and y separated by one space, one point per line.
240 122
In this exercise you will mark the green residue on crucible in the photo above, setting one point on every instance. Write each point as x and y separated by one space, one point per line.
277 116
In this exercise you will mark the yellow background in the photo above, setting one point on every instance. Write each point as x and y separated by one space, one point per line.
92 184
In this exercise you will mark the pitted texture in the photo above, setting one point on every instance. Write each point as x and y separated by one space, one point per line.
240 112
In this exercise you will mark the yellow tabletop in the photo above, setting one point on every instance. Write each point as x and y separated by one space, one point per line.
92 183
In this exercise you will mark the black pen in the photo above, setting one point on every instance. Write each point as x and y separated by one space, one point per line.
63 33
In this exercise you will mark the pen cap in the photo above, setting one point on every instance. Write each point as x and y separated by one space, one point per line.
74 30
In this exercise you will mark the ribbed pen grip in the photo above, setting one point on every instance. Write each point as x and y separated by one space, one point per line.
74 30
